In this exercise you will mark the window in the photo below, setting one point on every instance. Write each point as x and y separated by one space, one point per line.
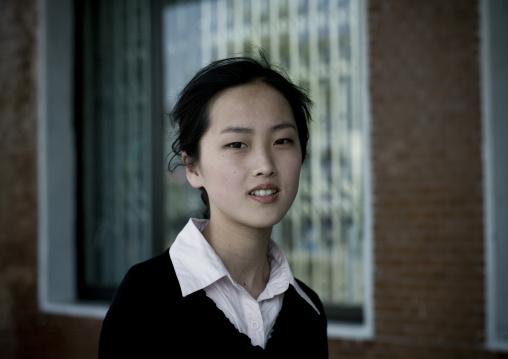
319 43
495 85
119 141
130 208
57 260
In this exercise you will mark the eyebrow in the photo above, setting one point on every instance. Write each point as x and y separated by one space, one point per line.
239 129
283 126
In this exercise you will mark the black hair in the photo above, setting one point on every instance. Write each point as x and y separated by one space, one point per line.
190 114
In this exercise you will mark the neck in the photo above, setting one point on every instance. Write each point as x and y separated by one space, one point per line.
244 253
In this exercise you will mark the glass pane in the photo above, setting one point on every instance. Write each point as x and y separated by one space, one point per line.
317 42
116 137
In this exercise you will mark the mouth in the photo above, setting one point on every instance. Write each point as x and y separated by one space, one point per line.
263 192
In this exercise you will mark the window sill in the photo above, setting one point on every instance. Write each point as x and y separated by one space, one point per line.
75 309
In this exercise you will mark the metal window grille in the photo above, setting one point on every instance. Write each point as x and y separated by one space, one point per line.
318 43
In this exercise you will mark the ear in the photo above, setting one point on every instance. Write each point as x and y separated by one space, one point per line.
192 172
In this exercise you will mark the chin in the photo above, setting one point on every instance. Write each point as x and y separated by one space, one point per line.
265 222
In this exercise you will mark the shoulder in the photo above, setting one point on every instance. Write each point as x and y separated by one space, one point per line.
306 289
319 336
152 266
298 322
313 296
143 303
145 286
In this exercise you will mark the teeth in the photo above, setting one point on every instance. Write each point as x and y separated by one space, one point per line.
263 192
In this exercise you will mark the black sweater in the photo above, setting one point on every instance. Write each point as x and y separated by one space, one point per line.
149 318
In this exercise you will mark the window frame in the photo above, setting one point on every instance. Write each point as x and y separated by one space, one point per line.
84 113
56 144
490 171
365 330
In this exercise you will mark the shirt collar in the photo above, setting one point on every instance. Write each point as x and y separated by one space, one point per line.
281 275
198 266
196 263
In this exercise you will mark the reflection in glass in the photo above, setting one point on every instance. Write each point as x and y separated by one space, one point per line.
317 42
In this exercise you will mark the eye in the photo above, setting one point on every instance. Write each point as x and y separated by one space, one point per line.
283 141
236 145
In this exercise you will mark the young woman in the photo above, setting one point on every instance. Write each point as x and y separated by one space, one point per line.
224 289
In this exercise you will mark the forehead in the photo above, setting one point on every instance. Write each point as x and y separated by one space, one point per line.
252 104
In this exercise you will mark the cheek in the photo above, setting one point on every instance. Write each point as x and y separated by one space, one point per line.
296 179
226 187
292 169
223 176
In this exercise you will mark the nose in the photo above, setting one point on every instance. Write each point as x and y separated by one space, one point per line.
264 165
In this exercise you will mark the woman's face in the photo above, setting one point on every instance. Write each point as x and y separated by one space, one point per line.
250 157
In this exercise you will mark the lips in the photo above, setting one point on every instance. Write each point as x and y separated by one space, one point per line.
265 193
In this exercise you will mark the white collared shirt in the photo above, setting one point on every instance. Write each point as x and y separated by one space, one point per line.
197 267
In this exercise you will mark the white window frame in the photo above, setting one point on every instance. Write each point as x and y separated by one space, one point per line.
366 329
57 264
493 341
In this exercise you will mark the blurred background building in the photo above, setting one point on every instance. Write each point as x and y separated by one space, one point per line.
401 222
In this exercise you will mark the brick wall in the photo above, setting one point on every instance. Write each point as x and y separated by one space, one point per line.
426 156
24 331
427 170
